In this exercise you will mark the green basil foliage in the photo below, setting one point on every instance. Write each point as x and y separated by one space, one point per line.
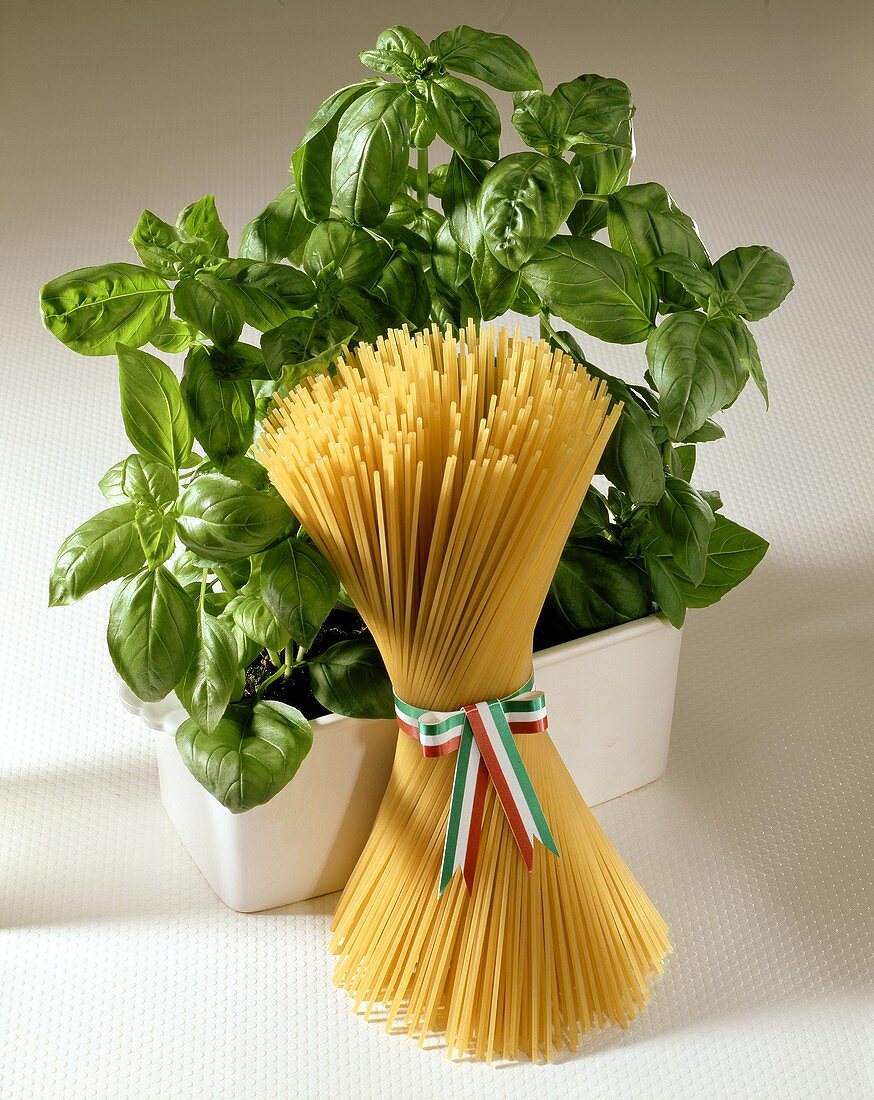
215 572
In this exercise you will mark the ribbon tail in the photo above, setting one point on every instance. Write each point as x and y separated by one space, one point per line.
541 827
464 827
511 779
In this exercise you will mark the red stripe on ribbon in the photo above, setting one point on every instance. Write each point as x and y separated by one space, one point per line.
441 750
407 727
480 733
520 725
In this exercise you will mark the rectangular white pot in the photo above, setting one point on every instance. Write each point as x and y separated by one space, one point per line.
610 698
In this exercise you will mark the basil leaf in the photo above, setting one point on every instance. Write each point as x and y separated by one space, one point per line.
211 679
539 122
526 301
436 180
186 570
100 550
563 340
667 589
144 481
152 409
422 133
465 117
695 366
350 678
168 250
678 528
370 315
303 345
714 500
299 587
110 484
388 61
523 201
496 287
450 264
758 275
707 433
173 336
595 587
222 412
243 469
279 232
93 308
593 109
632 460
592 518
446 303
595 288
349 251
311 166
221 519
152 632
246 647
600 172
700 284
493 58
257 621
210 305
241 361
402 40
370 155
249 756
644 224
311 161
141 481
402 285
733 554
200 219
461 199
748 352
157 534
683 463
345 599
266 293
395 232
330 110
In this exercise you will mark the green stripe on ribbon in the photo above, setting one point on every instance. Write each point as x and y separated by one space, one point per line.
524 779
456 806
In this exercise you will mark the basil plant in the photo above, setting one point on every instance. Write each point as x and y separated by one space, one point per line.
223 597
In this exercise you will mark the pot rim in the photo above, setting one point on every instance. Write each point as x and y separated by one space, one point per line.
600 639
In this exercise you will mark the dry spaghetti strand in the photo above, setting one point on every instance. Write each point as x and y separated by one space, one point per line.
440 476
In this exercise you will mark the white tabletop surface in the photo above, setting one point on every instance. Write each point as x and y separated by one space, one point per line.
121 974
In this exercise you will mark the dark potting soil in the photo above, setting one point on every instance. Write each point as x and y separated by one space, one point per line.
295 689
339 626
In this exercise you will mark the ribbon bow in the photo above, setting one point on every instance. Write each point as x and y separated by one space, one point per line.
482 734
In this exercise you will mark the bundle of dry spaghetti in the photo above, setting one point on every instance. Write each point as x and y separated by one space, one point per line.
440 475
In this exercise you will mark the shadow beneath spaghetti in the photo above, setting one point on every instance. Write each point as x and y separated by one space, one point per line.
755 843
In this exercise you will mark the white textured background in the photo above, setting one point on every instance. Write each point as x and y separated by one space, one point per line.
121 975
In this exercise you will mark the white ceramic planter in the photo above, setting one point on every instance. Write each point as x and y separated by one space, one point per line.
610 699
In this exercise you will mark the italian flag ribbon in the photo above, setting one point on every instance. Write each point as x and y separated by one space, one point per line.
482 735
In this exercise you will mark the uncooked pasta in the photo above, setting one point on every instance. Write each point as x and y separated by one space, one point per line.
440 474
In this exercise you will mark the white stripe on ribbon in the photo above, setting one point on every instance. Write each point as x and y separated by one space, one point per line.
507 770
473 766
